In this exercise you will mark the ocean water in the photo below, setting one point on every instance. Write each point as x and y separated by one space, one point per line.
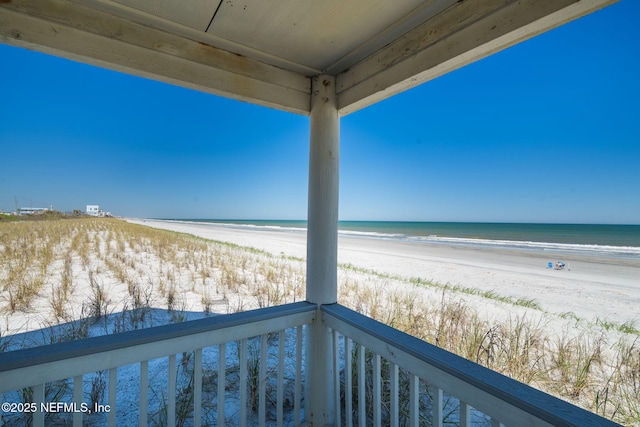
600 239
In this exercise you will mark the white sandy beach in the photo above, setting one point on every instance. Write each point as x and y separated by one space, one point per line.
593 288
578 310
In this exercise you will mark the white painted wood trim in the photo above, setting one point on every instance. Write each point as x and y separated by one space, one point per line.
78 400
143 407
414 399
85 34
222 370
38 399
348 382
377 390
336 375
66 360
297 399
394 412
280 379
262 382
171 392
242 360
464 33
362 407
112 398
324 165
501 398
197 388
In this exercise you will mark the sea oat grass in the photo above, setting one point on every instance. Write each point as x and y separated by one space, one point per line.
573 367
131 268
58 303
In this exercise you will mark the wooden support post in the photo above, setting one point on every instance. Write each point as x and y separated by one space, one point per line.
322 245
322 231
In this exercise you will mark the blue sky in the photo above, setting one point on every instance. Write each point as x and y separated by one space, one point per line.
546 131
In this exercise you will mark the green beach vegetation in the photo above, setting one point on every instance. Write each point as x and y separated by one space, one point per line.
64 275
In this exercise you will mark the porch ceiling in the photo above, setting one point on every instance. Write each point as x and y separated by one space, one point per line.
265 51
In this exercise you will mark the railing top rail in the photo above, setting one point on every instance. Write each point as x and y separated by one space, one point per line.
72 349
537 403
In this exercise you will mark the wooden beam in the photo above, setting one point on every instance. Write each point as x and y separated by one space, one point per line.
88 35
464 33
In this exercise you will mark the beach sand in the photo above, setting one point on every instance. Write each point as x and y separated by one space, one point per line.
600 293
591 287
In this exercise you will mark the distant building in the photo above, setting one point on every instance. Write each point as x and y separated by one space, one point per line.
94 210
32 211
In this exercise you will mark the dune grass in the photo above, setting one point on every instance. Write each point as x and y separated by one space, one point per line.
88 268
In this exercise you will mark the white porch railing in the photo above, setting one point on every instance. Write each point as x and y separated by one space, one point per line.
386 377
250 340
250 366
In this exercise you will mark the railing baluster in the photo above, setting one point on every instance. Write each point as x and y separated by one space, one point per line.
377 399
393 392
144 390
414 400
386 345
242 356
113 387
38 399
348 385
465 415
197 388
262 382
336 377
171 392
77 399
505 401
298 381
362 409
165 345
436 404
280 397
222 368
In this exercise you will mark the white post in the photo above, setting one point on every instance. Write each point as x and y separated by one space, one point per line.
322 226
322 245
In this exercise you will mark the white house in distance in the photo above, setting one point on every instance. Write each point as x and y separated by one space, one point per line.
94 210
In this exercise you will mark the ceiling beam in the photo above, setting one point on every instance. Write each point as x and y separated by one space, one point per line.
81 33
462 34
